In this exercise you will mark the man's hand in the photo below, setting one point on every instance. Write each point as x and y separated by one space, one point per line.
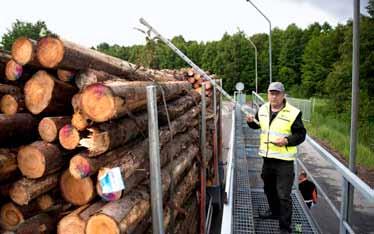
250 118
281 141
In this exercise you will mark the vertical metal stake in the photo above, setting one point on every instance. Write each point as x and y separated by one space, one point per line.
215 139
154 158
203 157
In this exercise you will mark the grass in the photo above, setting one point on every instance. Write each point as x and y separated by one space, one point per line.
335 132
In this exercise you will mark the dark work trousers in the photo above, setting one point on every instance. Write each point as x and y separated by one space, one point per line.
278 176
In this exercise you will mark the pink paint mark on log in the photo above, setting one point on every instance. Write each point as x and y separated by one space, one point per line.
84 170
18 72
98 90
66 130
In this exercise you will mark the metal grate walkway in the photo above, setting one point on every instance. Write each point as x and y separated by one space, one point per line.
248 194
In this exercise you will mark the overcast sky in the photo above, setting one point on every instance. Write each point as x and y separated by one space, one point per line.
91 22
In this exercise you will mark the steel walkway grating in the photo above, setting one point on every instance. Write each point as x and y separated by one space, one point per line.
242 212
299 221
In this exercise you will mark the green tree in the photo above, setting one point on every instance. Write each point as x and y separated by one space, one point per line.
20 28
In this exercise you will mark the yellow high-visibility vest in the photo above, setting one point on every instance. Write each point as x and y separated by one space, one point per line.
280 127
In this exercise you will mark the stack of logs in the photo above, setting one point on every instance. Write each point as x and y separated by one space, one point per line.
68 115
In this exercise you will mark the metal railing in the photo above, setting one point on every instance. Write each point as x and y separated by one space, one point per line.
304 105
347 176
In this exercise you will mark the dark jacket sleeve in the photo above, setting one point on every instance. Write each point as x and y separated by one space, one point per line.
298 132
253 125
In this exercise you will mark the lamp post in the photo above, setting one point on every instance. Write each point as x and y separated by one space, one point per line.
254 46
270 72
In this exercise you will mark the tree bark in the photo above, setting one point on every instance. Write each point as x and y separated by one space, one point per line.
75 222
4 56
176 167
54 52
76 191
12 103
8 165
91 76
39 159
50 126
81 165
41 223
24 190
24 51
9 89
12 215
111 100
44 93
109 135
17 129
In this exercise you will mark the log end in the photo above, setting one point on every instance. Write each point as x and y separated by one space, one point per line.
13 70
76 191
69 137
79 121
18 194
38 92
79 167
50 51
98 102
114 196
65 75
71 224
10 216
9 104
47 129
45 201
102 223
22 50
31 162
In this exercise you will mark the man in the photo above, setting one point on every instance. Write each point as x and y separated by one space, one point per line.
281 131
307 189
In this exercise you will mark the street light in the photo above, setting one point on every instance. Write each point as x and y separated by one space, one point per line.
254 46
270 78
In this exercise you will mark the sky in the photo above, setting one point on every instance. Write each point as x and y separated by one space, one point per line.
113 21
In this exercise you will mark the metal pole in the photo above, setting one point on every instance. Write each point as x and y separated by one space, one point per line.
254 46
154 158
355 100
203 168
192 64
215 139
270 71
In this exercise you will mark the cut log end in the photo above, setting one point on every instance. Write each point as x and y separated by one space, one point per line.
69 137
45 201
79 167
71 224
76 191
114 196
50 51
98 102
79 121
9 104
38 92
65 75
102 223
22 50
13 70
47 130
31 162
19 195
10 215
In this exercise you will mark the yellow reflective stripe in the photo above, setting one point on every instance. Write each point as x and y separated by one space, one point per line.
278 155
274 133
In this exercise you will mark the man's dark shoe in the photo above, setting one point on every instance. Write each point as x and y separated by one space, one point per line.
284 231
267 215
